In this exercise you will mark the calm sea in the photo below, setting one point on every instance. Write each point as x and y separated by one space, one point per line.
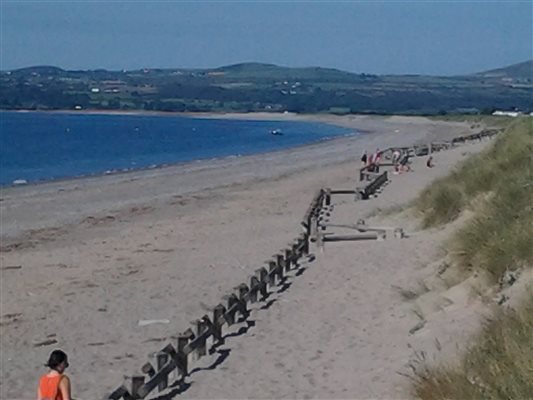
40 147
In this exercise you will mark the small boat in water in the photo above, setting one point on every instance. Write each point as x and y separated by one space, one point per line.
276 132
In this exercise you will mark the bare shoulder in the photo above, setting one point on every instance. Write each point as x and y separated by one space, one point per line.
65 380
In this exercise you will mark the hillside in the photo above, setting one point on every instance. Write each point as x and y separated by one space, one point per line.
521 71
249 87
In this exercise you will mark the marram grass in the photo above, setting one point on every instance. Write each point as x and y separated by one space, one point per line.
497 186
499 366
500 235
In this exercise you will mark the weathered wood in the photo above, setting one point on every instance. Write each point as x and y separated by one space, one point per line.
148 369
272 272
327 197
137 383
279 266
296 251
374 185
157 379
343 191
120 393
262 275
254 289
340 238
201 327
162 359
313 227
305 243
197 342
232 309
183 358
216 329
288 259
244 291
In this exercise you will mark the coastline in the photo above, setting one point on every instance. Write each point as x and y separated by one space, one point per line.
36 206
244 117
87 259
177 164
251 116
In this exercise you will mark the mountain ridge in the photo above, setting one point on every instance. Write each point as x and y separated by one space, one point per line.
251 86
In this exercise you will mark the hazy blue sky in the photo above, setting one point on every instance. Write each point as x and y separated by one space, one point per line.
430 37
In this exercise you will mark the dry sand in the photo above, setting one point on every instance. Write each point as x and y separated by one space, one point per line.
84 260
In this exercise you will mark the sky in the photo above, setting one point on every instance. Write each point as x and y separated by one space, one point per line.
379 37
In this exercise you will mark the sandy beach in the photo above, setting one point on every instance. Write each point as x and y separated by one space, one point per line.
82 261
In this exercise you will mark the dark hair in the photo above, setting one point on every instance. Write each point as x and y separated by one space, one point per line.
56 358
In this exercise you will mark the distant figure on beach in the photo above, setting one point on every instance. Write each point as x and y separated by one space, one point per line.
404 163
376 160
364 159
429 162
55 385
396 157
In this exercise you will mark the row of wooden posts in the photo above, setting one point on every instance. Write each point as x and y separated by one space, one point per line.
207 332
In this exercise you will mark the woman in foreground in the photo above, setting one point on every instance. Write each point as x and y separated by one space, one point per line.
55 385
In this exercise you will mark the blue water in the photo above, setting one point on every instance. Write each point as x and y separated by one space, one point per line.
41 147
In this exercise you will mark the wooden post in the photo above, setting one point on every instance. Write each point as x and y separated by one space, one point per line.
262 276
296 250
137 382
328 197
398 233
230 312
272 273
201 327
279 266
254 288
280 260
162 359
216 329
305 248
183 359
243 292
148 369
288 259
313 227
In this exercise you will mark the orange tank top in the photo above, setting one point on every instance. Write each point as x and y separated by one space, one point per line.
49 386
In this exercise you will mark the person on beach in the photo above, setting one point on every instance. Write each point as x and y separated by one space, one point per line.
364 159
396 157
404 164
55 385
429 162
377 160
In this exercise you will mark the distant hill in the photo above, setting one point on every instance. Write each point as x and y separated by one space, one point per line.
41 69
523 70
251 87
271 71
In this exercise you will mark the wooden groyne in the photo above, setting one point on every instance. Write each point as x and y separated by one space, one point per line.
173 361
171 364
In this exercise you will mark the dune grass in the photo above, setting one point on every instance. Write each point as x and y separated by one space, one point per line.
497 186
499 366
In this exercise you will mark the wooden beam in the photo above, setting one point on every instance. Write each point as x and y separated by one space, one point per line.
340 238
